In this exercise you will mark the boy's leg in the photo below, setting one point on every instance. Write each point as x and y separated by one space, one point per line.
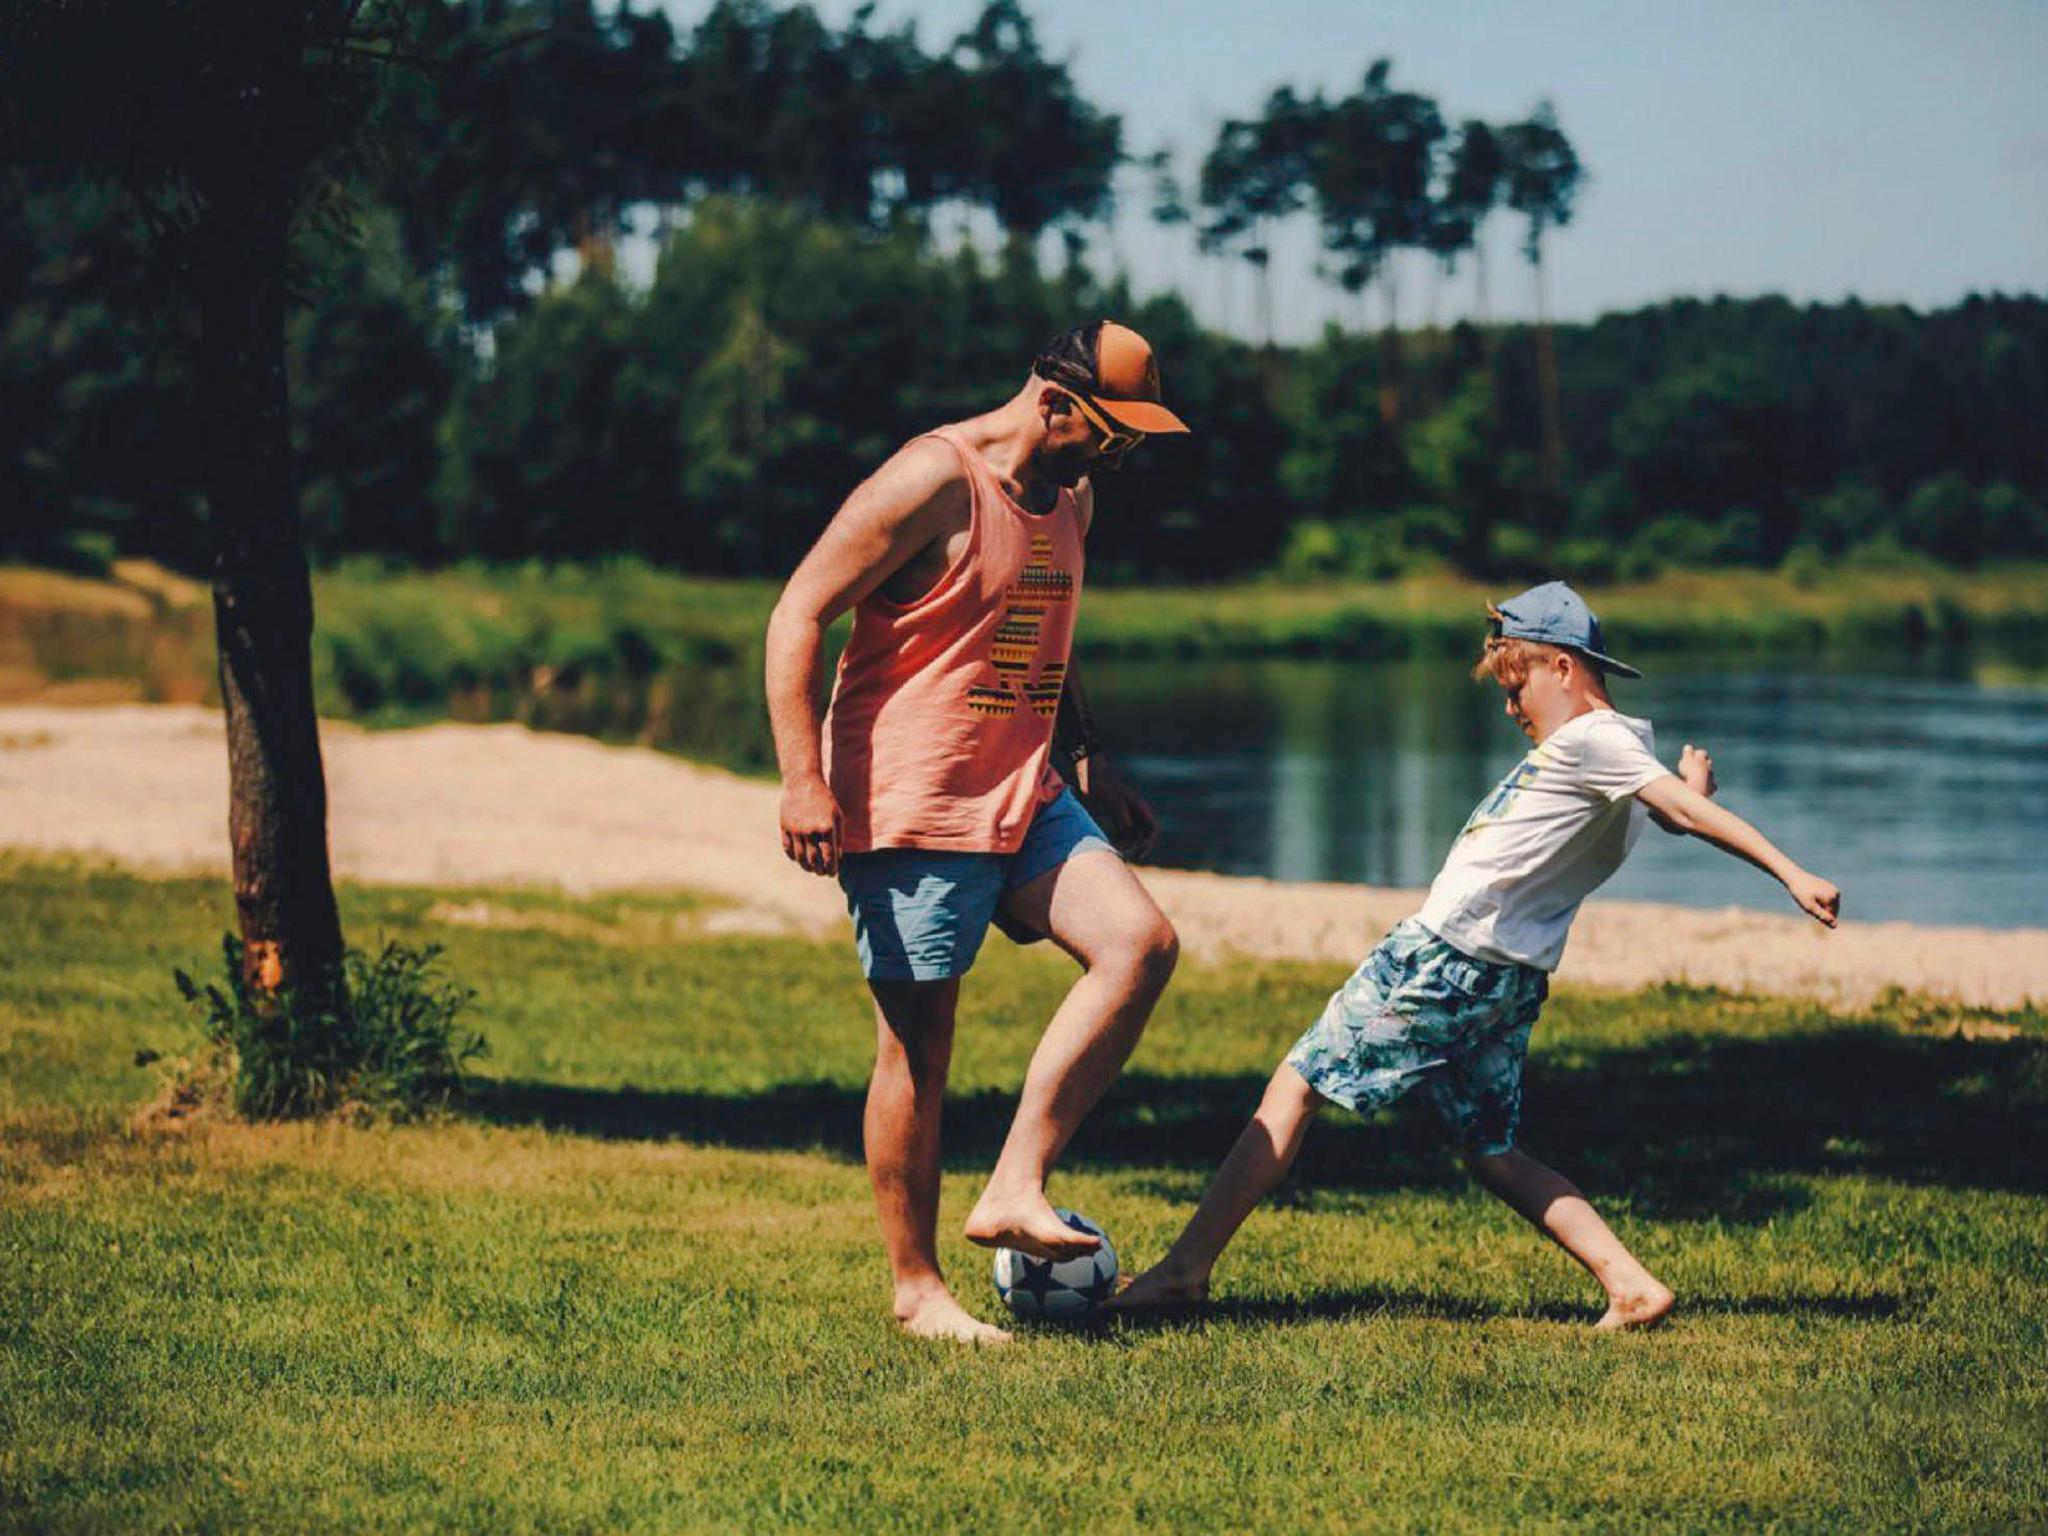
1093 907
1550 1202
1363 1051
913 1049
1479 1094
1264 1152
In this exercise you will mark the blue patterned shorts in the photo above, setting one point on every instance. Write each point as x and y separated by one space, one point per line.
920 915
1421 1014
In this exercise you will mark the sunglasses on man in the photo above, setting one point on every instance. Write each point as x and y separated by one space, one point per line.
1117 440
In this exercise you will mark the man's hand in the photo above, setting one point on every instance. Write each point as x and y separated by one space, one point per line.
1120 809
1696 767
811 825
1818 898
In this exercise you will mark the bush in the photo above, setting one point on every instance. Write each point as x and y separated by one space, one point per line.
2015 524
1676 539
1805 566
1944 517
389 1042
1372 550
1588 561
1521 554
1853 513
1882 553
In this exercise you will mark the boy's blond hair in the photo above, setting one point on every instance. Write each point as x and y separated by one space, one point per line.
1507 659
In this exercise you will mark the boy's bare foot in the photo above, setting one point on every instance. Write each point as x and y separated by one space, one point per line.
1160 1289
1026 1222
934 1314
1642 1309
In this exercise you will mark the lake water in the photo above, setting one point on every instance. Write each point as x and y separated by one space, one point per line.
1921 790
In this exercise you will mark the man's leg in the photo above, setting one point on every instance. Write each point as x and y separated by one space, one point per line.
1550 1202
913 1049
1093 907
1257 1163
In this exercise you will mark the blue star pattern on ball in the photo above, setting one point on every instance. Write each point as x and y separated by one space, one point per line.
1037 1278
1065 1290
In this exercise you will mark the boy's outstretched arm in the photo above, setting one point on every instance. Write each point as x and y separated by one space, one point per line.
1696 767
1679 806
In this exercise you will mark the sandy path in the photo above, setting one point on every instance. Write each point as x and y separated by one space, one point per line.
501 805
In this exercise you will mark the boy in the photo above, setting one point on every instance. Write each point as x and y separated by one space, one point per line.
1446 1001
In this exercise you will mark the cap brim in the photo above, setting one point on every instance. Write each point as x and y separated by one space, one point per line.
1618 668
1147 416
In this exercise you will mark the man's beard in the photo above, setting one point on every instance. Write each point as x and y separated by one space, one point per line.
1066 467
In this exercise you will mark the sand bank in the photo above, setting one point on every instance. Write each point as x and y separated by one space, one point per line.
502 805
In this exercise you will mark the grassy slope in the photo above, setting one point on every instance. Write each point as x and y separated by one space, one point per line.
637 1286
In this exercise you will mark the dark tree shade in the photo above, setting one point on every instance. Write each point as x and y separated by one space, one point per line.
225 121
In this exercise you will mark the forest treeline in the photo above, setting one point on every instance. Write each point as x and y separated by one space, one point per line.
473 375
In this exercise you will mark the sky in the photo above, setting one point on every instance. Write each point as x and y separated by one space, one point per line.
1896 150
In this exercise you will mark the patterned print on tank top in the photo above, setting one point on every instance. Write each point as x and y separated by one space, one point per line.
1013 652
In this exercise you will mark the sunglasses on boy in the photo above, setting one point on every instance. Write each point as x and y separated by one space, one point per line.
1116 440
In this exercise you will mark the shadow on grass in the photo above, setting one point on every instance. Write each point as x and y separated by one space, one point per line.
1340 1305
1686 1125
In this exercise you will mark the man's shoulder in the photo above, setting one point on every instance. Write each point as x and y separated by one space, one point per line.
926 474
927 461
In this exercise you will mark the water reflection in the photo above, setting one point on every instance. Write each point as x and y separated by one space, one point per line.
1919 789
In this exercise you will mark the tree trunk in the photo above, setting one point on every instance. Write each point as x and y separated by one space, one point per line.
1546 379
263 597
1390 356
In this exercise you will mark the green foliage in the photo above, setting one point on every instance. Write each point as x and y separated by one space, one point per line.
1944 517
1850 515
1369 551
454 399
373 363
384 1038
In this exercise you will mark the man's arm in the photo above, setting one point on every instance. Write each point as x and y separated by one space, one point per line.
1678 805
1110 800
1121 809
897 511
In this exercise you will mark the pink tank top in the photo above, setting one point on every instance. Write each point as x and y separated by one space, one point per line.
940 730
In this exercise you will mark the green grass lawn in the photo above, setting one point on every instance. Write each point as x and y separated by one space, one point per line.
635 1285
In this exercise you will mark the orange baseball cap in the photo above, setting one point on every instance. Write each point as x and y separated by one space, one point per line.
1114 366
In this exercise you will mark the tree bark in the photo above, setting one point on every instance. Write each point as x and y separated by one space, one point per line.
1547 389
1390 357
262 596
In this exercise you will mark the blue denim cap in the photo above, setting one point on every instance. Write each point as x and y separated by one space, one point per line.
1556 615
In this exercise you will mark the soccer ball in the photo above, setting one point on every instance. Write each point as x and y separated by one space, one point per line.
1064 1292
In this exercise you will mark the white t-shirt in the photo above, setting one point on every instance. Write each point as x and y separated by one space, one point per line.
1556 827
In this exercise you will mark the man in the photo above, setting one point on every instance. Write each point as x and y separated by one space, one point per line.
932 796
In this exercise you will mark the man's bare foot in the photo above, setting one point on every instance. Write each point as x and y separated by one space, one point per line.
1027 1223
934 1314
1642 1309
1160 1289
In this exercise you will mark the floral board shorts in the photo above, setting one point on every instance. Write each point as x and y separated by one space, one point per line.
1422 1014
